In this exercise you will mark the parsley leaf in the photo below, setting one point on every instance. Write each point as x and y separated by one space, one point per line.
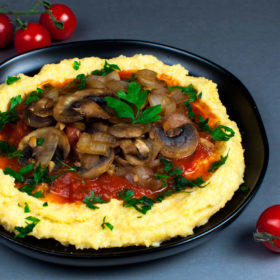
80 81
107 68
149 115
41 175
215 165
122 109
134 95
11 79
106 224
76 65
142 205
23 231
33 96
45 204
138 98
92 199
9 151
219 133
189 90
26 208
10 115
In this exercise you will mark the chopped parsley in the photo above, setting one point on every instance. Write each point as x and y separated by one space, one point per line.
92 199
45 204
40 141
200 95
106 224
26 208
23 231
107 69
142 205
244 188
9 151
11 115
215 165
189 90
80 81
11 79
33 96
19 175
76 65
219 133
136 97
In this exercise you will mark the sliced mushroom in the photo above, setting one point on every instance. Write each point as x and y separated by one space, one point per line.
39 113
148 79
125 130
182 145
54 140
93 165
172 123
80 105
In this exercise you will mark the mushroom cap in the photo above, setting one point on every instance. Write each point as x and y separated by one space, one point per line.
182 145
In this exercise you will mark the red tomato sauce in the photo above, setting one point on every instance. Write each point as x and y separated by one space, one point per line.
71 187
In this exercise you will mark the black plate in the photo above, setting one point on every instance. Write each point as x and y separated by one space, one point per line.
241 108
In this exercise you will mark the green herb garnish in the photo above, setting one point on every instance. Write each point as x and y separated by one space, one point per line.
45 204
244 188
11 79
23 231
92 199
107 68
76 65
219 133
68 167
189 90
18 175
80 81
142 205
33 96
200 95
215 165
132 78
136 97
9 151
40 141
26 208
106 224
11 115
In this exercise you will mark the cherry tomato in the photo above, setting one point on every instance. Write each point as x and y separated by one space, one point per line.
6 30
61 13
268 228
34 36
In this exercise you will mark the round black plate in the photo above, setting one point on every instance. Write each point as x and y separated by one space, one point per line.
234 96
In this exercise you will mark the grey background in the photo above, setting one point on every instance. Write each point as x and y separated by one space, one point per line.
241 36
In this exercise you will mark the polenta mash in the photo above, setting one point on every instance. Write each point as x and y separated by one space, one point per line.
133 153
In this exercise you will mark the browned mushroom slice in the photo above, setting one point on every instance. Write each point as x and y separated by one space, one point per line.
172 123
53 139
148 79
93 165
82 104
39 113
181 145
144 177
115 85
125 130
96 81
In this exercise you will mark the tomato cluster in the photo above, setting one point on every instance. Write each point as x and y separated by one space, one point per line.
57 22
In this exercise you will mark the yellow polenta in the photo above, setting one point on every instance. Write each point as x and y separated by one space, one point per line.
176 215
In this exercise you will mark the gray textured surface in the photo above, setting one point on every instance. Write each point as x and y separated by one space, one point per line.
243 37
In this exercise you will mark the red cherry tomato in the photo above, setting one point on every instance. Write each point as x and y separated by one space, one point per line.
6 30
268 228
32 37
61 13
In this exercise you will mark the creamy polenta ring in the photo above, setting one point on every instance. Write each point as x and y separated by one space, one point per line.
110 153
